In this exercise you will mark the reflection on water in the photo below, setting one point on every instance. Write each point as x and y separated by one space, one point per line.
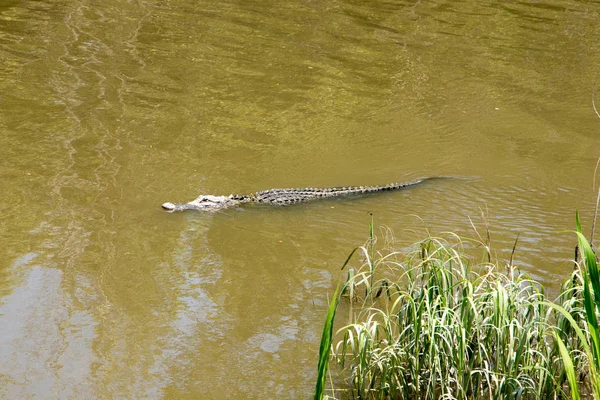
108 110
45 345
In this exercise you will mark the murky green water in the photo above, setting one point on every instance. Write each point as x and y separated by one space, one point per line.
110 108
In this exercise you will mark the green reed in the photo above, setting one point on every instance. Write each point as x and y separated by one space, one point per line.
432 324
580 322
325 347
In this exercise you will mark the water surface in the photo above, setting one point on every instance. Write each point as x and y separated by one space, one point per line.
108 109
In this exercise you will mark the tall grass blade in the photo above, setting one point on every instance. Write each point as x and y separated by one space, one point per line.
349 257
591 300
325 346
591 264
569 367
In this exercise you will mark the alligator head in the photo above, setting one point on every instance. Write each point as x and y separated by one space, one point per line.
204 203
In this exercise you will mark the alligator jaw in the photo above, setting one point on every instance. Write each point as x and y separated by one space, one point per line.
169 206
206 203
192 205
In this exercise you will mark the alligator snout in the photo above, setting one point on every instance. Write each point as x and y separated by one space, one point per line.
169 206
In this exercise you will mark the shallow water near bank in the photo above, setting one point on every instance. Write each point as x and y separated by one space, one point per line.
109 110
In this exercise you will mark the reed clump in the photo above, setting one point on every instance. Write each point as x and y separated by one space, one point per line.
434 323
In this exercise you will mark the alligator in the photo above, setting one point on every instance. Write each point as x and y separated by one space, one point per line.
281 197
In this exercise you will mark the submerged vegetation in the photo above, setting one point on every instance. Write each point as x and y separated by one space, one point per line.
432 323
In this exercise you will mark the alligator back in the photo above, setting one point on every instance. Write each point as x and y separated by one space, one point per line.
291 196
